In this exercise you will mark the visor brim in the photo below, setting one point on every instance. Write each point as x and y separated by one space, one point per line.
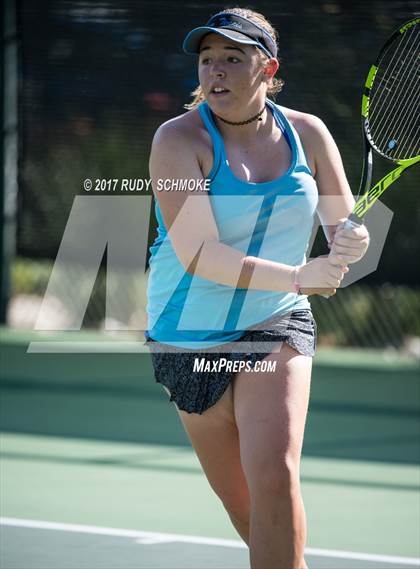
192 41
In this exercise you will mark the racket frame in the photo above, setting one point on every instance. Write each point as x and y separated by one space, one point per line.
367 196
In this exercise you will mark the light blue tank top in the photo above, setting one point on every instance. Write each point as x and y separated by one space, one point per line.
271 220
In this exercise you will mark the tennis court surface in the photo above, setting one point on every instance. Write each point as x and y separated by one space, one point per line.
97 472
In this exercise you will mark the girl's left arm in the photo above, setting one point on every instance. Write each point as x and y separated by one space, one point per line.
336 201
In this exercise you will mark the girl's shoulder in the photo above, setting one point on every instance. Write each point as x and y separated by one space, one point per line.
186 135
313 134
306 124
186 127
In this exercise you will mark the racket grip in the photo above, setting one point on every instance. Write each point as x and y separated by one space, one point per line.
349 224
353 221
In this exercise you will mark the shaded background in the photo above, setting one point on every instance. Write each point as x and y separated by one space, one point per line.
97 78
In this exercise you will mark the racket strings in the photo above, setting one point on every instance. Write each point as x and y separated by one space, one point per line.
410 145
386 71
404 127
394 101
397 97
389 74
393 133
399 119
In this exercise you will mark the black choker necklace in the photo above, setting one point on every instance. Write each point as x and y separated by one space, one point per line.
252 119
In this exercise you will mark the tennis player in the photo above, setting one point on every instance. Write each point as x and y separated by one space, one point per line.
229 280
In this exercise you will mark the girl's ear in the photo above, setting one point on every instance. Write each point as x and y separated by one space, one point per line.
271 67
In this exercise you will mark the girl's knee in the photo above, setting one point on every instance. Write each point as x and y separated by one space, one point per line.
279 478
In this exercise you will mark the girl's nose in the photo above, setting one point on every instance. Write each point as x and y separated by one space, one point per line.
218 71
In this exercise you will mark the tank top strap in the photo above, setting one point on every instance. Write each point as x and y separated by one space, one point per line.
216 137
293 136
285 125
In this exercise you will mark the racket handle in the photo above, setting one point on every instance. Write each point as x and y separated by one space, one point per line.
352 222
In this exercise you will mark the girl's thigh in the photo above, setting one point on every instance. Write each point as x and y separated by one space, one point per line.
270 412
215 439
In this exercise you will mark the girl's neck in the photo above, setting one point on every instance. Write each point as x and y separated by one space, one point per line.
245 133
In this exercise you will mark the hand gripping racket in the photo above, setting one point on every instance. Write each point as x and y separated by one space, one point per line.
390 114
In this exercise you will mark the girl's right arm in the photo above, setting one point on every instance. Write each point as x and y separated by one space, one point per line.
193 231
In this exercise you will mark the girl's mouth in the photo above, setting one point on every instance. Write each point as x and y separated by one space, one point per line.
219 91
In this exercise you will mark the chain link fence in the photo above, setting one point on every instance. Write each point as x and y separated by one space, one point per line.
91 100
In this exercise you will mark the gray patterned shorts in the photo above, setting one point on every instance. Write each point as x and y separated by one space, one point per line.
196 391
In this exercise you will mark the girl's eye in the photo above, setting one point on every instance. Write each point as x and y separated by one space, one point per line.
231 59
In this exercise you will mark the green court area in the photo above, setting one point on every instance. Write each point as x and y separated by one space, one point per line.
97 471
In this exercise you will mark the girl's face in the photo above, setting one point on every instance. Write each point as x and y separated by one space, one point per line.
234 67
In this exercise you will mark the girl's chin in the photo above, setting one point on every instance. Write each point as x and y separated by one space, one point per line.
220 102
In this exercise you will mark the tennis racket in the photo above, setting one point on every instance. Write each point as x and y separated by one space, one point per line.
390 115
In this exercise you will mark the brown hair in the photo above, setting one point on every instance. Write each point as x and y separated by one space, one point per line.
276 84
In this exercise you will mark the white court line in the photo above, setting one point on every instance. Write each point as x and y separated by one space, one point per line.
414 561
145 537
139 535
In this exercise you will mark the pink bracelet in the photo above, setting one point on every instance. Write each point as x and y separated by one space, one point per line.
296 284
